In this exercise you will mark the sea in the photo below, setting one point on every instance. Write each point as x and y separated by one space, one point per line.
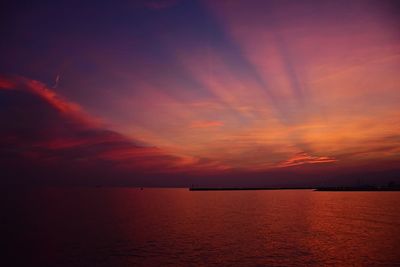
50 226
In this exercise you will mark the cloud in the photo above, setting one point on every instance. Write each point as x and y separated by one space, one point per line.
6 83
304 158
47 135
72 110
206 124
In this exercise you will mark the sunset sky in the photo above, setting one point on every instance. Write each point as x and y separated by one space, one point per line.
182 92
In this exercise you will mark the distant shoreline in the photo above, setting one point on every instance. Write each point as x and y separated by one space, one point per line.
336 189
320 189
246 188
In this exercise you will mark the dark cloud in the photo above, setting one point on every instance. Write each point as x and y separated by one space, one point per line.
42 135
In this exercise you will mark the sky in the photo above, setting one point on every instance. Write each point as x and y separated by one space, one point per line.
199 93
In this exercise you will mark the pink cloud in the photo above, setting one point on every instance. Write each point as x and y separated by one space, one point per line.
206 124
304 158
67 108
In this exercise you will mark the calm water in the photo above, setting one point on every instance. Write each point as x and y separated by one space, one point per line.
175 227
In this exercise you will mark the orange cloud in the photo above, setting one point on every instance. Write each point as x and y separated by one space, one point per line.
304 158
206 124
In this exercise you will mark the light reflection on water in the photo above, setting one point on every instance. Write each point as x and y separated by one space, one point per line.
176 227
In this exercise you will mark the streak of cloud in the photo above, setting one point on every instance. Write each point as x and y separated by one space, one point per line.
206 124
304 158
56 81
63 135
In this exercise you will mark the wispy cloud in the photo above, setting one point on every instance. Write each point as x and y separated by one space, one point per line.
39 89
304 158
206 124
61 133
